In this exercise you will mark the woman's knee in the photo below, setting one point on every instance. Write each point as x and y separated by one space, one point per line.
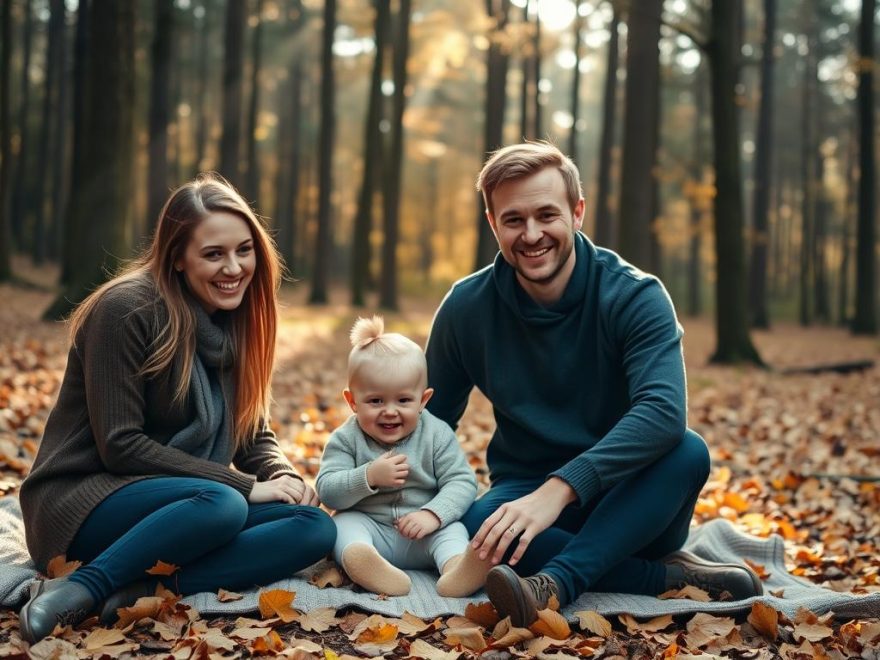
222 507
692 457
310 530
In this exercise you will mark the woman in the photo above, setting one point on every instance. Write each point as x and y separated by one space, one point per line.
167 383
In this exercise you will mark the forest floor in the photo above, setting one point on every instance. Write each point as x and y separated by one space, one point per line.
795 455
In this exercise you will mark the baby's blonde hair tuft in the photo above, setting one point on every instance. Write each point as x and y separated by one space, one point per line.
365 331
370 342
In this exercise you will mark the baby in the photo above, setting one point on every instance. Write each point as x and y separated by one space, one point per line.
396 475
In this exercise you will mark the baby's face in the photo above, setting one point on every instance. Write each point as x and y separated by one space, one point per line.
387 403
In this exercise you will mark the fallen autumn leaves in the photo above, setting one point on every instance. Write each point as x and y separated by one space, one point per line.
774 439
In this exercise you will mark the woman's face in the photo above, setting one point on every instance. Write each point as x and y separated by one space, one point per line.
219 261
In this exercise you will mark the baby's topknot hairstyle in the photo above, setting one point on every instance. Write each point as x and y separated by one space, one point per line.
365 331
370 342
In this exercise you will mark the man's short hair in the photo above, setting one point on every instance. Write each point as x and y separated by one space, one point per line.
520 160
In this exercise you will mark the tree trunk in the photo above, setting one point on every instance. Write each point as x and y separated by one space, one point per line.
695 294
538 128
252 187
202 120
324 241
42 199
361 252
5 140
59 158
640 132
22 180
763 157
391 227
429 227
865 320
163 39
495 102
808 175
820 229
108 149
578 24
604 228
731 308
526 93
233 68
843 295
69 229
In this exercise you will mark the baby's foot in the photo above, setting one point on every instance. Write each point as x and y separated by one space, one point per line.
367 568
463 575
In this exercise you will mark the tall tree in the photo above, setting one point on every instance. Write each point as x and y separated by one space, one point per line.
640 132
98 241
537 115
324 241
731 305
695 296
252 179
203 26
391 197
865 320
233 68
50 107
495 103
529 86
69 229
361 252
22 180
761 198
578 24
808 169
59 174
5 140
604 229
160 111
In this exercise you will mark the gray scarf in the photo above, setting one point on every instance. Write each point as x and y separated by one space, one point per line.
209 435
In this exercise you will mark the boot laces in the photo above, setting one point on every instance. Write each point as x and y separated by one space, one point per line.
542 587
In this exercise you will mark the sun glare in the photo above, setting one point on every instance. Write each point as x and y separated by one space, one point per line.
556 15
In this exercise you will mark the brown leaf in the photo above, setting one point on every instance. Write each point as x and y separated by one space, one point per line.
216 640
329 576
228 596
812 632
655 624
421 649
704 628
513 636
144 608
469 638
482 614
765 620
100 637
552 624
59 566
277 602
52 649
687 591
594 622
269 642
162 568
318 620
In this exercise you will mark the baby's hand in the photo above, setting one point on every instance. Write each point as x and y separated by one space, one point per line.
389 470
417 524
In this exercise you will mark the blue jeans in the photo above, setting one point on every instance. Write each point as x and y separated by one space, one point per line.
613 543
207 528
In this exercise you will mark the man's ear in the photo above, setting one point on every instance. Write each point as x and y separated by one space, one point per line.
349 399
426 396
578 214
492 223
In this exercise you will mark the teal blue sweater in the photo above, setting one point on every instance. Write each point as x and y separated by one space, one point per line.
590 389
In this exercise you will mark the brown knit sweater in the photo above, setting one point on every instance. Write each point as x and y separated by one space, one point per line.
110 425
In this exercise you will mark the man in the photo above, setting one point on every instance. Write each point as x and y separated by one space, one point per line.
594 472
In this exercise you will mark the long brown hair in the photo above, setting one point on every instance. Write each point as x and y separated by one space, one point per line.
254 323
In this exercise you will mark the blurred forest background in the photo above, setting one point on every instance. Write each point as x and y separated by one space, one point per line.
727 146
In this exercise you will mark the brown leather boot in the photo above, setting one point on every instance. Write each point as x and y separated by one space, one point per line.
715 578
519 598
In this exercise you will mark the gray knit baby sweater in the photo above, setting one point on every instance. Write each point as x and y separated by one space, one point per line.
440 479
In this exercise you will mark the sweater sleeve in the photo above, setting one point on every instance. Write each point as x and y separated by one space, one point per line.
115 345
341 482
446 370
455 478
263 457
650 339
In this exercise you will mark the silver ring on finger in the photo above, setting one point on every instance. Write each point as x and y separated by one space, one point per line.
512 530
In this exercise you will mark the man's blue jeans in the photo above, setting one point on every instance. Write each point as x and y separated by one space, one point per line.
613 543
208 529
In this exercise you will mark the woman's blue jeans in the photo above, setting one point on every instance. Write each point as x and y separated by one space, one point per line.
206 528
613 543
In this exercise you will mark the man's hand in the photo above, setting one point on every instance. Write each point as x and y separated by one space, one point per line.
284 488
389 470
418 524
525 517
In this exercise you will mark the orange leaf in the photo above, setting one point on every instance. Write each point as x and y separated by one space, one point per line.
483 614
277 602
384 632
59 566
759 569
765 620
552 624
267 643
162 568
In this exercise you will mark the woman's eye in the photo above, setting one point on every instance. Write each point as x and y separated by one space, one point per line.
247 249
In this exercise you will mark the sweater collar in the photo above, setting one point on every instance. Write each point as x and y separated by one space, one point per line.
525 307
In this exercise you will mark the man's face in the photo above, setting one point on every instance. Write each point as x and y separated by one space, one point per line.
535 229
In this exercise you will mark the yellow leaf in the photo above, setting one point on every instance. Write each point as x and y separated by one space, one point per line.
162 568
594 622
482 614
384 632
59 566
277 602
330 655
765 620
552 624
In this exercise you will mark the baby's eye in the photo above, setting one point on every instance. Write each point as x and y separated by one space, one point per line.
374 401
405 399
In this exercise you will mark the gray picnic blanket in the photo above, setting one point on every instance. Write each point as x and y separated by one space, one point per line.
717 540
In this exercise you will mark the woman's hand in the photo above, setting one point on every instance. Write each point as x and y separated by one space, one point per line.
284 488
